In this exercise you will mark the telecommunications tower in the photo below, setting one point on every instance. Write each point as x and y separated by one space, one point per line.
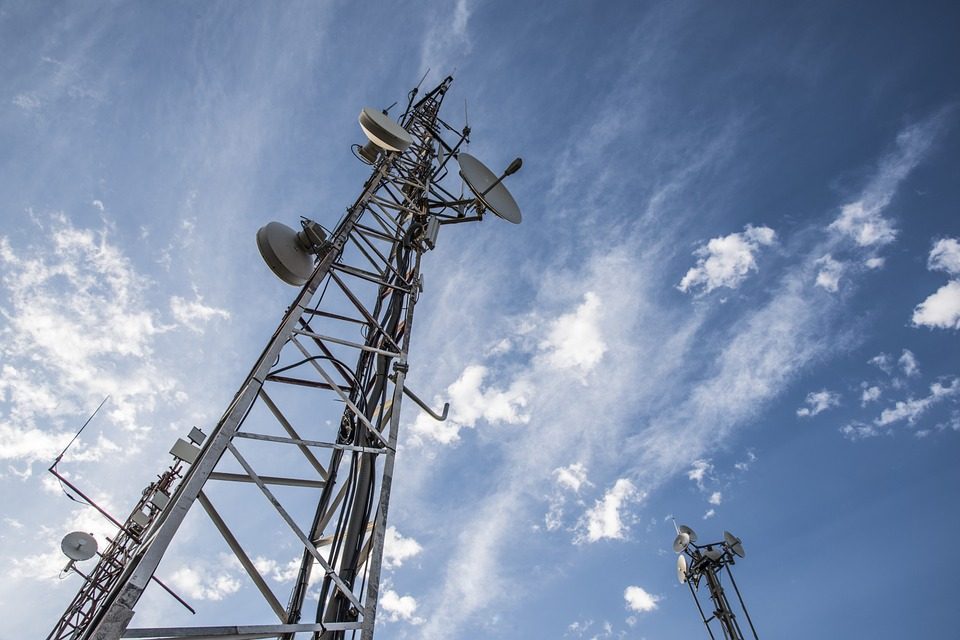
706 564
329 381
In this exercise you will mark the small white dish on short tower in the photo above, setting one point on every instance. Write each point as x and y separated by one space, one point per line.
79 546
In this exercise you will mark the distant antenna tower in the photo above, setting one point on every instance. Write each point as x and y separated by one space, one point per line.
706 564
331 378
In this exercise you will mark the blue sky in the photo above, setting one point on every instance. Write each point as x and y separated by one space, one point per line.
735 297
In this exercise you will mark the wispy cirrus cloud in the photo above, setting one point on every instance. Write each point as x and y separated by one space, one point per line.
862 220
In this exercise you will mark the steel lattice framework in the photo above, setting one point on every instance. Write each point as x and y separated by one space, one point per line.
343 343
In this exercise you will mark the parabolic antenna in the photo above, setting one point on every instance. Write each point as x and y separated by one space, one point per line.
681 541
682 569
79 546
383 131
713 554
488 189
690 532
734 543
285 253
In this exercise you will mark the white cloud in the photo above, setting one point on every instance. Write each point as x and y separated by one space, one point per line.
911 409
829 275
869 395
279 572
716 498
397 548
744 465
874 263
818 402
201 585
883 362
941 309
908 363
638 599
864 225
699 470
471 402
397 607
26 101
99 205
726 261
78 327
574 340
572 477
945 256
193 313
603 520
709 514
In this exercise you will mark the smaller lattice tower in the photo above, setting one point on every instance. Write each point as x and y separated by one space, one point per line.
707 563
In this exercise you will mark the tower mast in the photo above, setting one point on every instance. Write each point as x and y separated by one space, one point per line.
343 342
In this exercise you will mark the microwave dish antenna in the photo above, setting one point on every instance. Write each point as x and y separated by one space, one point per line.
382 131
681 541
79 546
488 188
682 568
690 532
288 253
734 544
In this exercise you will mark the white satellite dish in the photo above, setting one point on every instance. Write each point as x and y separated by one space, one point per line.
681 541
79 546
713 554
682 569
734 544
383 131
488 188
285 252
690 532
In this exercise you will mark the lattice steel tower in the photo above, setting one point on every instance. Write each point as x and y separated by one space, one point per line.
330 378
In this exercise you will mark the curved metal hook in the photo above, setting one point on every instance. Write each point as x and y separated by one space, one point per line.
420 403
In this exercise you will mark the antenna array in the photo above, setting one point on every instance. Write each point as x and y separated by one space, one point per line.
330 381
706 563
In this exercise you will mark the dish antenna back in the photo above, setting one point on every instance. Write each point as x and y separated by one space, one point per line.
288 253
681 569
